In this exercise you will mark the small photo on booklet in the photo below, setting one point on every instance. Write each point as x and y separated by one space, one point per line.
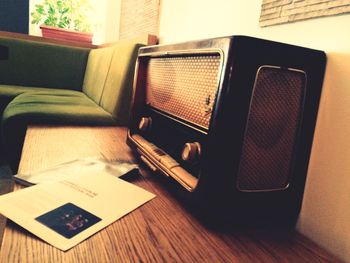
68 220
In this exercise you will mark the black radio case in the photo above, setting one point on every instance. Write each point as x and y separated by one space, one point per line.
230 122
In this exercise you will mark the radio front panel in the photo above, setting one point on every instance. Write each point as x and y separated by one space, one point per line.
184 87
180 90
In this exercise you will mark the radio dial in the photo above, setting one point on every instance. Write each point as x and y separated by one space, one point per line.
145 123
191 152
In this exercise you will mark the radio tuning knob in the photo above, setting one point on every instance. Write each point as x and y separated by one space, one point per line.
191 151
145 123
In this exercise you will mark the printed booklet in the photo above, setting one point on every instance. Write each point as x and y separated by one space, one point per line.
67 210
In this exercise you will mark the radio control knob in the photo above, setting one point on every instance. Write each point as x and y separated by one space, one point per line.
145 123
191 151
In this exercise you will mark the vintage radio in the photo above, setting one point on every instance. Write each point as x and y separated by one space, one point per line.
229 121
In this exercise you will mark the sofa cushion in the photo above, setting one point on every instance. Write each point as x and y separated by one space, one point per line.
11 91
60 107
56 106
46 65
8 92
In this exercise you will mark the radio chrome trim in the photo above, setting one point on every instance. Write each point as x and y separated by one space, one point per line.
188 181
174 118
195 52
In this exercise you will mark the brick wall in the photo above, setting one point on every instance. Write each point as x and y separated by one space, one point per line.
283 11
139 17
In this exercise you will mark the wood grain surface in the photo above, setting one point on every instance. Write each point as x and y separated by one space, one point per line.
6 186
159 231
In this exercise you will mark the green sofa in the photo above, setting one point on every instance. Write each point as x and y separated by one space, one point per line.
45 83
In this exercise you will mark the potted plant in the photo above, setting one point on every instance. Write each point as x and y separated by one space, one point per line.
64 19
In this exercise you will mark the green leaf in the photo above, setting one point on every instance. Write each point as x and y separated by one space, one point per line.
65 10
73 14
51 10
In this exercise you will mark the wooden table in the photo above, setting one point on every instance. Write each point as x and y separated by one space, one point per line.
159 231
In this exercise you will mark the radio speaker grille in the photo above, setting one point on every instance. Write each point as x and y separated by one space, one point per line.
272 130
184 87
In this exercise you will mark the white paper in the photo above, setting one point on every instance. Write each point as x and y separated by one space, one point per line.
100 200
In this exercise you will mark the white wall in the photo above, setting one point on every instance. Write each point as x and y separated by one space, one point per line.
111 20
33 29
325 215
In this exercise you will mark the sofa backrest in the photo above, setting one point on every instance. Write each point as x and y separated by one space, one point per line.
96 72
109 77
40 64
